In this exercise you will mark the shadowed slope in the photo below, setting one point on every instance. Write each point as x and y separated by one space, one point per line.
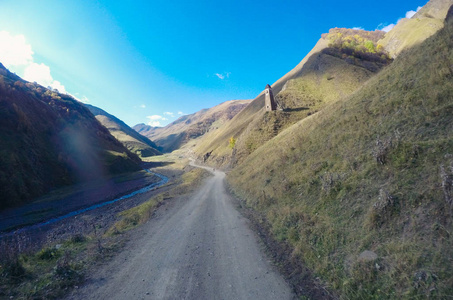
50 140
130 138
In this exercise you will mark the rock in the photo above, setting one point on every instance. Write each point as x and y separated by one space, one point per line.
367 255
449 17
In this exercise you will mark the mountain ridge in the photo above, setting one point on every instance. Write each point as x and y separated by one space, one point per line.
51 140
131 139
188 127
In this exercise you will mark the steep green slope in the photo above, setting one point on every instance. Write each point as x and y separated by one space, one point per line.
189 127
131 139
326 74
363 190
409 32
49 140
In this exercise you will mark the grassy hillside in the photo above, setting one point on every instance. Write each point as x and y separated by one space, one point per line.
131 139
409 32
188 127
329 72
49 140
362 190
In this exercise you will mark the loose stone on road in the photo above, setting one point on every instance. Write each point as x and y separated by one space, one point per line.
200 248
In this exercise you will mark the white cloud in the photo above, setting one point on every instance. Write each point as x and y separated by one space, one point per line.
169 114
39 73
222 76
358 28
14 50
57 85
386 28
180 113
143 106
155 117
84 99
411 13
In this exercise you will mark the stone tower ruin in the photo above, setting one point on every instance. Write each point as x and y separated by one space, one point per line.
269 101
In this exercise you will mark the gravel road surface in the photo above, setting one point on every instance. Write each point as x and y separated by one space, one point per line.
199 247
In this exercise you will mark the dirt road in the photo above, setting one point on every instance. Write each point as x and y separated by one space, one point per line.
199 248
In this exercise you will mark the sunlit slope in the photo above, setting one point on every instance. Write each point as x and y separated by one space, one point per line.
370 172
189 127
49 140
324 75
131 139
409 32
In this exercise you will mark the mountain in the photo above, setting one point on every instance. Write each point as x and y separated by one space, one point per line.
49 140
409 32
131 139
188 127
336 67
362 191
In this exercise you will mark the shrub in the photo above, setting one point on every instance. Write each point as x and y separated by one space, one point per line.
48 253
232 142
13 270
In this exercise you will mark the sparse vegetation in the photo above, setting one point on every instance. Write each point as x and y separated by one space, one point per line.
138 215
46 274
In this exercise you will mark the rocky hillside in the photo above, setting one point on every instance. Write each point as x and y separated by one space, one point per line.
131 139
49 140
363 189
341 62
188 127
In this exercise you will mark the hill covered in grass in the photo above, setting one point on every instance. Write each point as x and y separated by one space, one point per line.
50 140
336 67
410 32
131 139
362 190
189 127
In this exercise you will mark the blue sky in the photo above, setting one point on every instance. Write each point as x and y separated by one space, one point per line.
151 61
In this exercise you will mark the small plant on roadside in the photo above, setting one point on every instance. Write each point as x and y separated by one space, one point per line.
78 238
13 270
232 142
49 253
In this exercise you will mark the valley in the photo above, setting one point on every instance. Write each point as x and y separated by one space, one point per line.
334 182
